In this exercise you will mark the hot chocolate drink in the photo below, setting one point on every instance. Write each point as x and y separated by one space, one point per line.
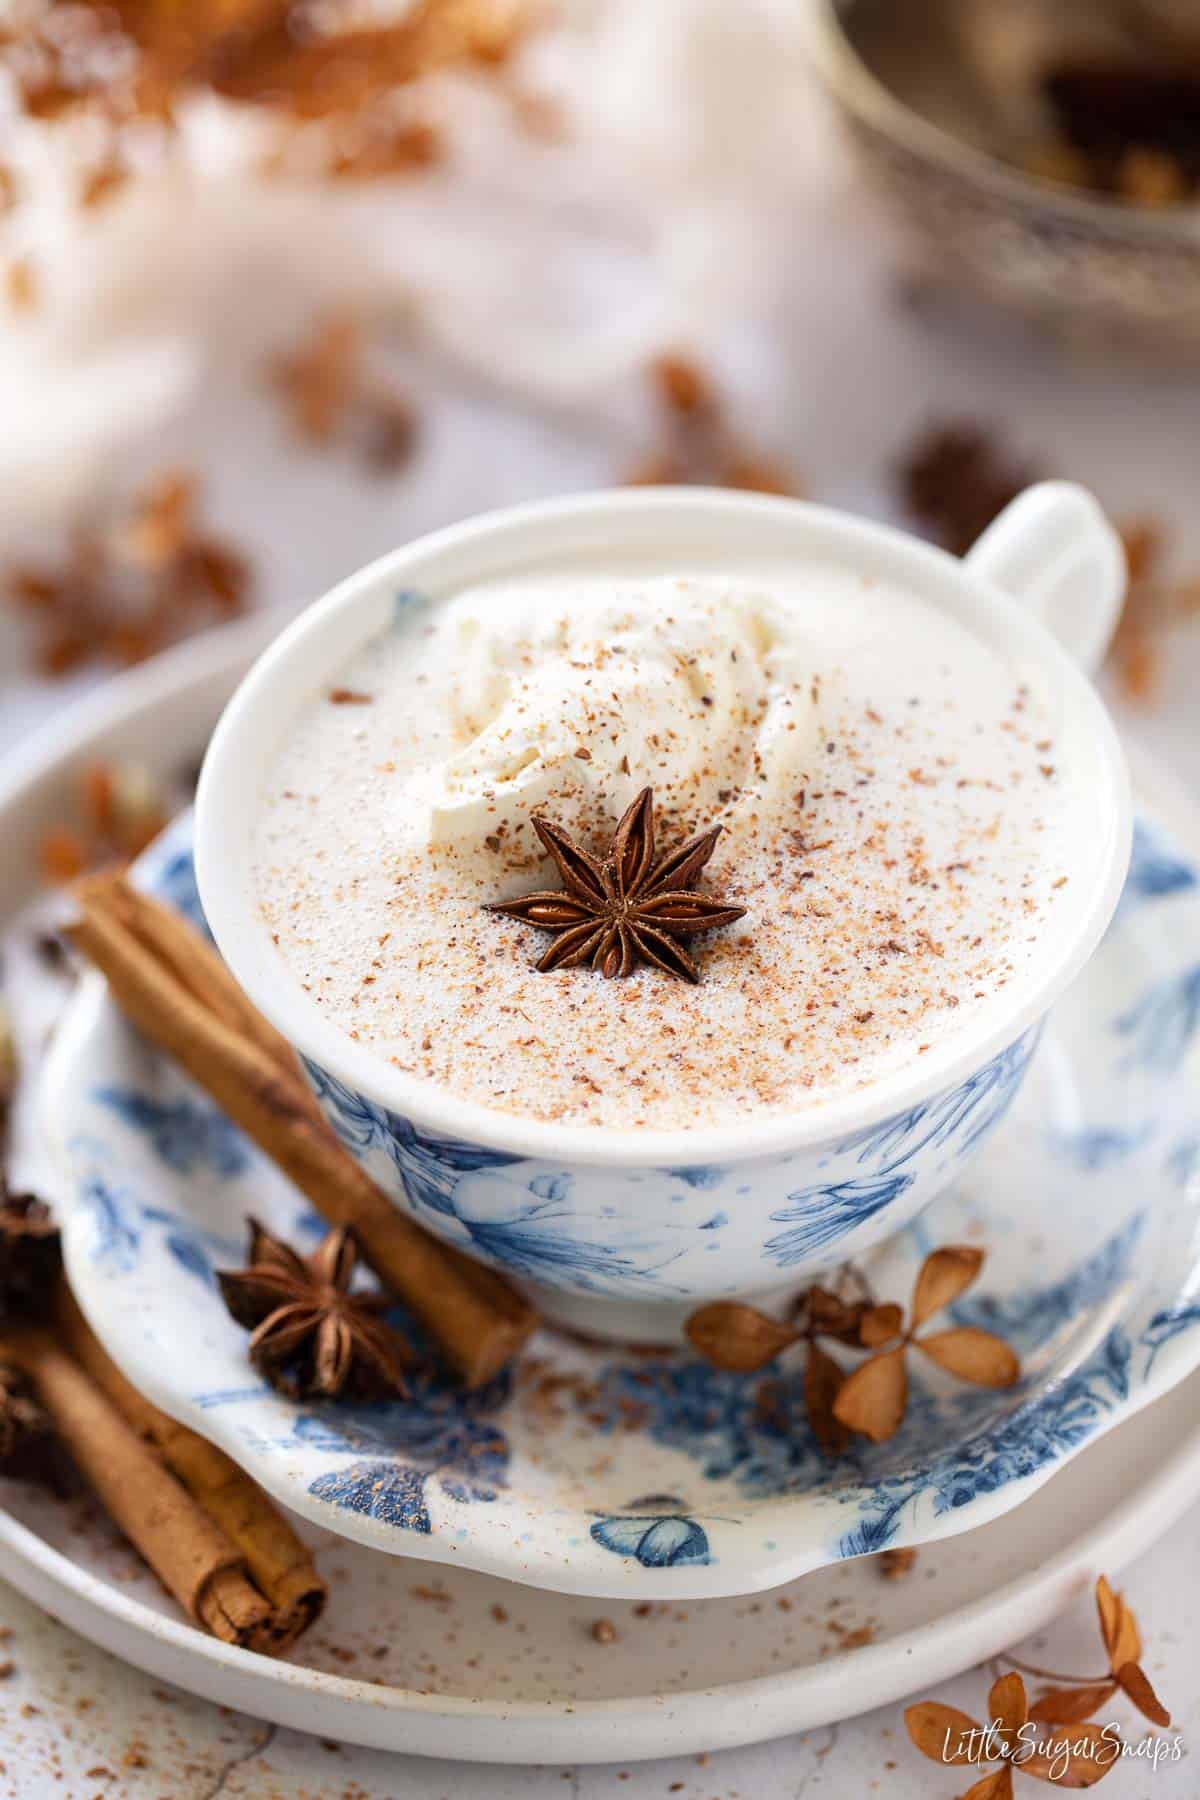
886 784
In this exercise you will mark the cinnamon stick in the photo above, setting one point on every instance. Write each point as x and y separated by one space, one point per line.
276 1559
193 1559
180 998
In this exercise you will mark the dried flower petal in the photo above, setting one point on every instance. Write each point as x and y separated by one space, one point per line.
819 1312
1077 1758
1067 1706
943 1276
1133 1680
1118 1627
880 1324
736 1337
941 1733
996 1786
873 1397
973 1355
1007 1702
823 1382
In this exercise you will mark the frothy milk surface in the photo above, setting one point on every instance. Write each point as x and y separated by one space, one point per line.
889 794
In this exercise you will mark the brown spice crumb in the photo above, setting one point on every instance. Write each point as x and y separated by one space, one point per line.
343 696
134 583
118 809
699 446
21 285
893 1565
1155 601
333 399
955 479
682 384
101 183
62 854
604 1631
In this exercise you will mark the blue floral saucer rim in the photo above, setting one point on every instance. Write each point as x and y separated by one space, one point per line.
605 1473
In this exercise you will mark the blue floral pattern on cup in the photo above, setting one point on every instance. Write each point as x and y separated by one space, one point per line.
599 1469
624 1233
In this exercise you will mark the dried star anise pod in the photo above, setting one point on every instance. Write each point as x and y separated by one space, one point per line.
30 1253
624 908
310 1334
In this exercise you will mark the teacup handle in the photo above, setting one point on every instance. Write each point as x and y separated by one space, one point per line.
1055 551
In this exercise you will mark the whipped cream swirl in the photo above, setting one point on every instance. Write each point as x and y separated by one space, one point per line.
572 696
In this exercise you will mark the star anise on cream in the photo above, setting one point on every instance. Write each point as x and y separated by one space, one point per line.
310 1334
623 908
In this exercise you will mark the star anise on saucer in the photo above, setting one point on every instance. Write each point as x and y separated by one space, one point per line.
310 1334
623 908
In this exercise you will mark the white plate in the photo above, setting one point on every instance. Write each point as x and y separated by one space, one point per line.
454 1680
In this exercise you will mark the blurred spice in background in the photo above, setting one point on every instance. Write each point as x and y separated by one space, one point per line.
132 61
333 397
698 444
957 476
338 86
130 585
119 808
1124 128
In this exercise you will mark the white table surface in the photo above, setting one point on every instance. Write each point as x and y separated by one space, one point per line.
833 372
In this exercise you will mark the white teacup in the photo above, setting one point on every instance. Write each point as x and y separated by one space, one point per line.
623 1232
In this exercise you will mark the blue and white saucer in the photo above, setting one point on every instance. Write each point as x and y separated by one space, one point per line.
602 1472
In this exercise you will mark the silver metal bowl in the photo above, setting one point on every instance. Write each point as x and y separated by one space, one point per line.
929 132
